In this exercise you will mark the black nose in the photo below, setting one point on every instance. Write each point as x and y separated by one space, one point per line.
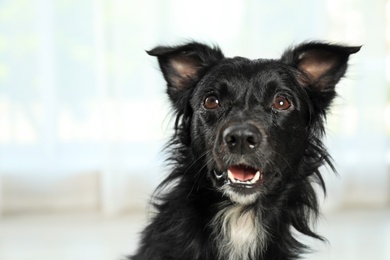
241 138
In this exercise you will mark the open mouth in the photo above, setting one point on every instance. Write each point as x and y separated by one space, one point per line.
241 176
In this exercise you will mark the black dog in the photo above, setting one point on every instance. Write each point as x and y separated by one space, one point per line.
245 153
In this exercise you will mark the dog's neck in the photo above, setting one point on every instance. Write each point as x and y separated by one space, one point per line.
239 232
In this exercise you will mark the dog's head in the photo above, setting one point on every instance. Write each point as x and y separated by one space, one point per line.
252 122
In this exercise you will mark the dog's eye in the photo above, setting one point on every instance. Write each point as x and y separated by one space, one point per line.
211 102
281 103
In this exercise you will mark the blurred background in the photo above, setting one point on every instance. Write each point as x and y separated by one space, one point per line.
83 116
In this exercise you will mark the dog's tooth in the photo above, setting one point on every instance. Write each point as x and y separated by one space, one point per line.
256 178
231 177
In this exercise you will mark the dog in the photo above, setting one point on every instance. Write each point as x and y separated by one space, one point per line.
245 154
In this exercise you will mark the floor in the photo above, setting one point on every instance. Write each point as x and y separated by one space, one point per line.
352 234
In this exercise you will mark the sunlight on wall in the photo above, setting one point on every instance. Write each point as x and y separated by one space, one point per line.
113 121
15 124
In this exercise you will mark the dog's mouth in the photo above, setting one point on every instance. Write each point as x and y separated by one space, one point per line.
241 176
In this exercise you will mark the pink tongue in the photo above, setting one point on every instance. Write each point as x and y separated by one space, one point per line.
242 173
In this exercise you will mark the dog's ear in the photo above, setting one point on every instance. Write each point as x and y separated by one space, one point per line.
321 66
184 65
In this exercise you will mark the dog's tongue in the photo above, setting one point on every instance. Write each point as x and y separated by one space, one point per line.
242 173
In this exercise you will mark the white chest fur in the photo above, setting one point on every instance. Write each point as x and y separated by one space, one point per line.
239 232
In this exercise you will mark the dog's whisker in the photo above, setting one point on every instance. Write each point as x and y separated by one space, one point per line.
200 157
196 176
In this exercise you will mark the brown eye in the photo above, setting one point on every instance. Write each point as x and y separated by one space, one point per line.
281 103
211 102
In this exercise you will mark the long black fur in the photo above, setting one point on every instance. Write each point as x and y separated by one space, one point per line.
194 211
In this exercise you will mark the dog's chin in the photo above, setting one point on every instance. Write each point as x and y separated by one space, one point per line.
239 198
242 184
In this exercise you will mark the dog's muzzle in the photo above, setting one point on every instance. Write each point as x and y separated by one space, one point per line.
240 160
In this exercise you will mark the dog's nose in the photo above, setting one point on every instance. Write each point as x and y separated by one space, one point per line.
241 138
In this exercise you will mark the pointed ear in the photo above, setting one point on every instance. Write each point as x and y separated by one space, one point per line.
321 65
184 65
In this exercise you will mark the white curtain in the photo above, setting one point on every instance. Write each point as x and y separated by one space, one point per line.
79 94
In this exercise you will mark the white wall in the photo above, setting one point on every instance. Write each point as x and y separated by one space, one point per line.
83 113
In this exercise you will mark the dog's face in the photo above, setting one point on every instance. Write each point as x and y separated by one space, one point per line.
250 120
251 117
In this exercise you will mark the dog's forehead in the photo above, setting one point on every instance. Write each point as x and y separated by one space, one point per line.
248 73
239 67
